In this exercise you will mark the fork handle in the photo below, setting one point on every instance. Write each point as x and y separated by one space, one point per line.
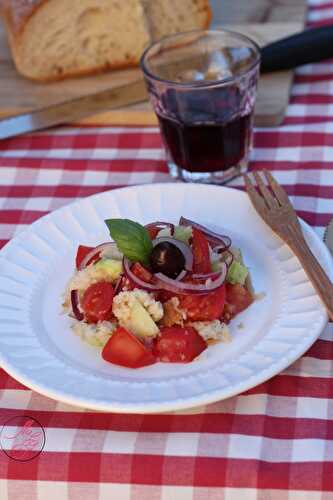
314 271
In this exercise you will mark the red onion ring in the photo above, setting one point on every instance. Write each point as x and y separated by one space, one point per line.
213 238
93 253
180 287
212 275
226 254
220 249
181 275
185 249
76 305
118 284
175 286
149 287
230 256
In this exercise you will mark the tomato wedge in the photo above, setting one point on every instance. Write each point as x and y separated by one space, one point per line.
141 272
238 298
124 349
153 232
200 249
178 345
204 307
97 302
82 252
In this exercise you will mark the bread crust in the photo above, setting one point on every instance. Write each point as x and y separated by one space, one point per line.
206 8
85 72
16 15
209 14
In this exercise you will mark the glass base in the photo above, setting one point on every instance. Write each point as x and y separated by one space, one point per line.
219 177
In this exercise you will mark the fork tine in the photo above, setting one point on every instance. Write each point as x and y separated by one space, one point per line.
268 197
279 192
256 199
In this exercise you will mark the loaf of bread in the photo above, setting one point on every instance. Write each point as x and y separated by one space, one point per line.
56 39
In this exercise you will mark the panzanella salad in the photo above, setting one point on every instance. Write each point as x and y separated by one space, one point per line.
160 292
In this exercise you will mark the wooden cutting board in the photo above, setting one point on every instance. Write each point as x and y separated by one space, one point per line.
263 20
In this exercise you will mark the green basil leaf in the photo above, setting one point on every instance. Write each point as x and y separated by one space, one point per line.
131 238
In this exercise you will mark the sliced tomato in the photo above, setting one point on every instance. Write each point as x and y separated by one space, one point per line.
82 252
141 272
97 302
124 349
238 298
200 249
153 232
204 307
164 296
178 345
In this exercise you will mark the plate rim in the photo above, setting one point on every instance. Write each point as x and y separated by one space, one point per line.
178 403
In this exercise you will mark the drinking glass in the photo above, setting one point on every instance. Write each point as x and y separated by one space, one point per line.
203 85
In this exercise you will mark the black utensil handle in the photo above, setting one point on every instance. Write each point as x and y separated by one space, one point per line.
309 46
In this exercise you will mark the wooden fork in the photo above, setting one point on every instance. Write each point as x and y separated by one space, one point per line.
274 206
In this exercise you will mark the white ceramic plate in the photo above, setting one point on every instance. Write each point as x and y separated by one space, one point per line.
38 348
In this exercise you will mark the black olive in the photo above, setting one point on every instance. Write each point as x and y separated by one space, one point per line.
166 258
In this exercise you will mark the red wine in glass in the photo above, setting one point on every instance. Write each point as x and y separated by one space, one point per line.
206 147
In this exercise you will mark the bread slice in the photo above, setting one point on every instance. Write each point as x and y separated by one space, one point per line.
172 16
59 38
56 39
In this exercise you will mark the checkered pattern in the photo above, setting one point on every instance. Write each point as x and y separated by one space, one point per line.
274 442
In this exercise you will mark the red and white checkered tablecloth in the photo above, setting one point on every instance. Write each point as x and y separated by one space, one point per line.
274 442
